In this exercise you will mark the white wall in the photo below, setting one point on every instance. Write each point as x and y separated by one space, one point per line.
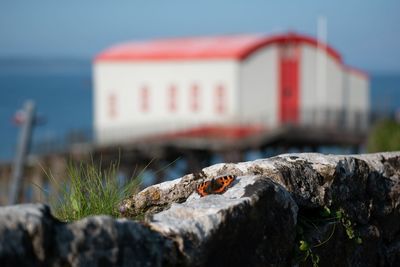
251 86
125 80
308 72
321 87
334 97
258 96
358 105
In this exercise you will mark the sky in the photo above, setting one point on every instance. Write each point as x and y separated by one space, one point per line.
365 32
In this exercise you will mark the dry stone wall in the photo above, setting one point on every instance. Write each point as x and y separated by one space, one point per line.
289 210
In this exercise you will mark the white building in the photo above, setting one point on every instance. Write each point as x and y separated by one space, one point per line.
223 83
357 99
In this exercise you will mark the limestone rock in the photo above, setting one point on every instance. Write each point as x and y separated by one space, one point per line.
344 210
364 187
30 236
24 232
238 228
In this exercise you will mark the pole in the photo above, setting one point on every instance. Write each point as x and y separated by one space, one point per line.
22 151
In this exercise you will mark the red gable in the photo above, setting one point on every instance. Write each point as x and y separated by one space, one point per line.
237 47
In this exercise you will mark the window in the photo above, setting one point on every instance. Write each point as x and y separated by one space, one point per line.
172 92
144 99
220 105
194 98
112 106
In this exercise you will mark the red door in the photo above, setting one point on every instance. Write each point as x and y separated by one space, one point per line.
289 84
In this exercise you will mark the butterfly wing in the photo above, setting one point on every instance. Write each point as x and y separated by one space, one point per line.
224 182
203 188
215 186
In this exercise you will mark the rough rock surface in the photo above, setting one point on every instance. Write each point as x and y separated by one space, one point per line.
30 236
345 208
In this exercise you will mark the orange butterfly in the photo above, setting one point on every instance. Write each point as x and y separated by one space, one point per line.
215 186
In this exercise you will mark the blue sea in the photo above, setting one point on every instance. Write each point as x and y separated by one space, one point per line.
62 91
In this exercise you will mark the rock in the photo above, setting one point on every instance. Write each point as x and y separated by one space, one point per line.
23 235
364 187
30 236
103 241
342 210
234 231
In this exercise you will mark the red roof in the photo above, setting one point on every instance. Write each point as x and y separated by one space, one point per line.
357 72
237 47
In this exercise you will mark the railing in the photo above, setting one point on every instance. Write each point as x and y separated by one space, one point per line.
336 119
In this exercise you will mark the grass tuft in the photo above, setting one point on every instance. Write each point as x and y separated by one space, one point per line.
89 191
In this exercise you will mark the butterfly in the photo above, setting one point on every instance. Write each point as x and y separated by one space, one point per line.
215 186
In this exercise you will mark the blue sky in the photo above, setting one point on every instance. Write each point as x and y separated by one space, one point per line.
366 33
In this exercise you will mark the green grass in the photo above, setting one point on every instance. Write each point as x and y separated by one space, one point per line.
89 191
385 136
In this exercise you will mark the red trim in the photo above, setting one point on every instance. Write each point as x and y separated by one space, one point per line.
356 71
289 92
220 98
237 47
172 98
217 131
144 99
112 106
194 98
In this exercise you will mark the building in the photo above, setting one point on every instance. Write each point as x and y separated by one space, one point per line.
224 83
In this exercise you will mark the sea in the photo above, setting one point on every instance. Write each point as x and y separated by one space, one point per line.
62 90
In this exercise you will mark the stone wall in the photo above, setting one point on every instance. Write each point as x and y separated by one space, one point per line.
290 210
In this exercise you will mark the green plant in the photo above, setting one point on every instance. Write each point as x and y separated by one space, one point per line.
385 136
90 190
305 250
348 226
